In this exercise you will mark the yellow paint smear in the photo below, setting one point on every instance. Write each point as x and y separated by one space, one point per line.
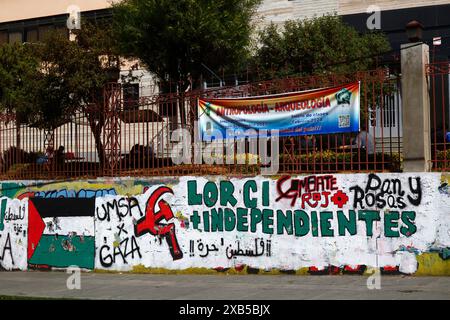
141 269
431 264
122 188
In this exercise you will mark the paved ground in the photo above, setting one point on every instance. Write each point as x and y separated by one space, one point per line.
285 287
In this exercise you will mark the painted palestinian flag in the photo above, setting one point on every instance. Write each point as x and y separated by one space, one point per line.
61 232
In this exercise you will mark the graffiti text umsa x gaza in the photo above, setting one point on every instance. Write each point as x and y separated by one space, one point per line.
151 222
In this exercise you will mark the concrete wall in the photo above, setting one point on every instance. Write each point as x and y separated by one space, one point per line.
317 224
359 6
279 11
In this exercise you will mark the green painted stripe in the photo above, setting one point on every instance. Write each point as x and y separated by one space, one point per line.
50 251
10 189
2 214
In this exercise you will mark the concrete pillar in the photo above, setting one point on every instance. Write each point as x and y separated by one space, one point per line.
415 108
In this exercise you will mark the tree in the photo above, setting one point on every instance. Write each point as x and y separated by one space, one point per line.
315 46
18 72
46 83
72 71
177 39
73 76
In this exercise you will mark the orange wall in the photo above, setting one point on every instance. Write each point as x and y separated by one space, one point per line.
275 10
11 10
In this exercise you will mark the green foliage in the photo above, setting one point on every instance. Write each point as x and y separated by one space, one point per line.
442 160
71 73
343 161
315 46
18 73
45 82
174 38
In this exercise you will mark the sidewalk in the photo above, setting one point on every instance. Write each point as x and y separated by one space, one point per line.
256 287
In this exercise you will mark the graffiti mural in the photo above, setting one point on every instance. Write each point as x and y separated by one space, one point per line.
71 193
61 232
322 224
13 234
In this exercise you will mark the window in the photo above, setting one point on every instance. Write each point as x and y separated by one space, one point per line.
3 37
39 34
131 96
15 36
44 30
63 31
32 35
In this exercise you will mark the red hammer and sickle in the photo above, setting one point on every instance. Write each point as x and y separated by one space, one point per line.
151 222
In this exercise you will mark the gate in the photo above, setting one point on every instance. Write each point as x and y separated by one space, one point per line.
439 88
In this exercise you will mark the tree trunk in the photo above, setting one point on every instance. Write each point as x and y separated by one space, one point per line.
96 129
100 148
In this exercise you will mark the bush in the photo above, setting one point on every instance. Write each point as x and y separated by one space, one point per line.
329 160
442 160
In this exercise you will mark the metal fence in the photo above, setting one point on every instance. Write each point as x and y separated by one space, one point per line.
439 86
124 137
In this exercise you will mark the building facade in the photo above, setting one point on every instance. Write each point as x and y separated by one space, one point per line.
279 11
18 10
25 20
28 21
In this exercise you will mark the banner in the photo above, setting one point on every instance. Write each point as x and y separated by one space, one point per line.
320 111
